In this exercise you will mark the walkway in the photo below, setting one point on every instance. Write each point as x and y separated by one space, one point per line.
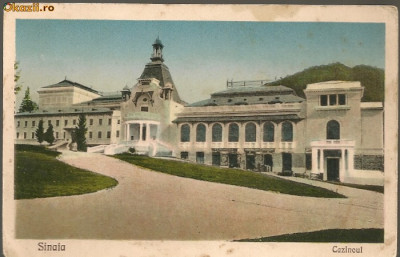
155 206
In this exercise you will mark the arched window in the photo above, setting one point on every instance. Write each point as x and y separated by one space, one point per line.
287 132
185 133
269 132
217 133
233 132
250 132
333 130
201 133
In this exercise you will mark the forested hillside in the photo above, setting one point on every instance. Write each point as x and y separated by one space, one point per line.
370 77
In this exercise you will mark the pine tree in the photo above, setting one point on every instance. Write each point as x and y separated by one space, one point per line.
27 104
49 135
17 76
40 132
80 133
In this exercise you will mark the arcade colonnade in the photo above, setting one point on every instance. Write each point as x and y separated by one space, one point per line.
141 130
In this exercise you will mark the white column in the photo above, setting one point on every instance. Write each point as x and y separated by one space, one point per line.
314 159
342 169
140 131
321 164
127 131
350 153
147 131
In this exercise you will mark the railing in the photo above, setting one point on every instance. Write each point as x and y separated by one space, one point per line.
251 145
268 145
287 145
95 149
142 116
333 142
217 144
252 83
232 145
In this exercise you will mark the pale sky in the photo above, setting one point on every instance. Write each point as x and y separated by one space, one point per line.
201 56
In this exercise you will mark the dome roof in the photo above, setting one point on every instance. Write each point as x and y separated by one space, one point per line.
158 42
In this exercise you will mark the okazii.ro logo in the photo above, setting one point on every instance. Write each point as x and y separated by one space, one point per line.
34 7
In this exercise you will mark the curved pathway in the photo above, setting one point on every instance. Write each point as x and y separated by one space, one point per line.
148 205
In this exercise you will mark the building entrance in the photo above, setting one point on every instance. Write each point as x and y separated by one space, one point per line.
286 163
216 159
250 162
268 162
233 161
332 166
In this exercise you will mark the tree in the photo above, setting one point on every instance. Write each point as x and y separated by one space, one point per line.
40 132
49 135
27 104
17 75
80 133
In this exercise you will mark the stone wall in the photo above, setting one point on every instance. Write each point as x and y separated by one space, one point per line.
368 162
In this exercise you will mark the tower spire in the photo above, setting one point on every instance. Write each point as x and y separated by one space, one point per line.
157 50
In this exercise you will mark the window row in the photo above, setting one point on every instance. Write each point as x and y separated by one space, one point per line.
332 99
57 122
57 135
100 134
234 132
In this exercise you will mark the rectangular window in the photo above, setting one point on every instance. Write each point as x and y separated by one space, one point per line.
49 122
119 122
200 157
108 134
342 99
332 99
33 135
90 134
91 122
57 135
64 135
65 122
17 135
308 161
144 109
99 134
57 123
18 124
184 155
100 121
117 133
33 123
26 123
74 122
24 135
324 100
109 121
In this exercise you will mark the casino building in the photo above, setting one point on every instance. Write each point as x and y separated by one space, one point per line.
329 134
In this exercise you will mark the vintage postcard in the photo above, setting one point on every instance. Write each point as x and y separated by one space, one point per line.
199 130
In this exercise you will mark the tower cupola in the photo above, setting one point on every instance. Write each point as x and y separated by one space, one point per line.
157 51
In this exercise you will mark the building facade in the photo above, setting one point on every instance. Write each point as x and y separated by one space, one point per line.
329 134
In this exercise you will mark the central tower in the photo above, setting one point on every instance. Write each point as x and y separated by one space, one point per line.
158 70
157 51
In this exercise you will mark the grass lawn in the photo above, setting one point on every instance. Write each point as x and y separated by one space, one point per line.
379 189
39 174
228 176
371 235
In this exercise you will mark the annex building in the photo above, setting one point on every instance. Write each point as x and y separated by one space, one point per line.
329 134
